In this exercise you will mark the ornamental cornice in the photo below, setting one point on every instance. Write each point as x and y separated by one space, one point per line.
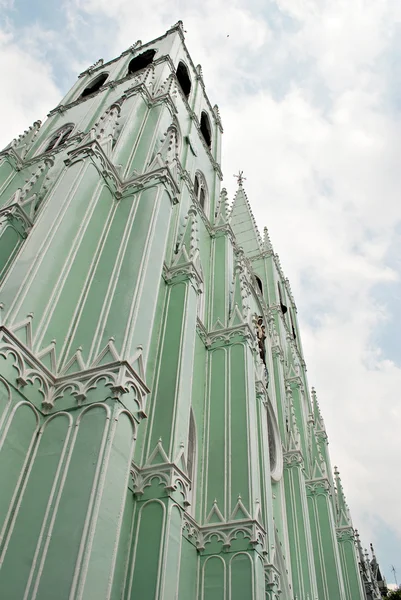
318 486
229 335
188 271
15 216
295 382
168 474
120 187
13 157
345 534
221 230
225 532
293 458
272 579
33 377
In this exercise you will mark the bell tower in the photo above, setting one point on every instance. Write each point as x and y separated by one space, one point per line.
157 435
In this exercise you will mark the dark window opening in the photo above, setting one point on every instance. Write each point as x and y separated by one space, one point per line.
95 85
59 138
294 335
282 305
260 286
261 336
202 198
141 61
191 448
205 129
183 79
200 190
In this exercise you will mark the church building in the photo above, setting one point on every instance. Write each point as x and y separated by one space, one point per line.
158 436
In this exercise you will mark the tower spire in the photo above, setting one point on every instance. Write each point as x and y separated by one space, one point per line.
243 222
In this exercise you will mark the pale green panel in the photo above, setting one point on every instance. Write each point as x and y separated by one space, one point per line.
241 579
294 524
148 551
54 258
186 369
72 511
188 571
124 545
5 401
327 535
352 580
148 136
216 441
6 170
172 561
214 579
9 243
146 303
27 531
108 526
260 580
133 113
132 268
169 362
17 438
220 299
198 406
90 314
239 450
79 271
316 550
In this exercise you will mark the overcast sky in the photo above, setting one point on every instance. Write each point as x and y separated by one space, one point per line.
310 94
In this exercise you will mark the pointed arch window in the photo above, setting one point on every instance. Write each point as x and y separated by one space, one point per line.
95 85
191 461
206 130
260 285
275 447
200 190
141 61
184 79
59 138
283 306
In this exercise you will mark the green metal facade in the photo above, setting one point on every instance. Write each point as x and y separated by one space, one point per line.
158 439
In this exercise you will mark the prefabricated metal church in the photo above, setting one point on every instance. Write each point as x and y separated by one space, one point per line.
158 436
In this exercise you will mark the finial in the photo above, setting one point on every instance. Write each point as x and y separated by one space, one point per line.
240 178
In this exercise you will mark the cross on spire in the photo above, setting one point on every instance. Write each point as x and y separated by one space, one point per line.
240 178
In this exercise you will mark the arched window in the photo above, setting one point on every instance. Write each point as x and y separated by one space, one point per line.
95 85
280 295
59 138
205 129
275 448
141 61
191 448
259 282
200 190
183 79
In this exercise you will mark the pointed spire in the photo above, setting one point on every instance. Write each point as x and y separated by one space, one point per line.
187 246
221 214
167 155
243 222
23 143
343 515
319 423
267 245
105 129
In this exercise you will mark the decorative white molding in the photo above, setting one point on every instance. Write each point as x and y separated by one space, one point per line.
119 375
